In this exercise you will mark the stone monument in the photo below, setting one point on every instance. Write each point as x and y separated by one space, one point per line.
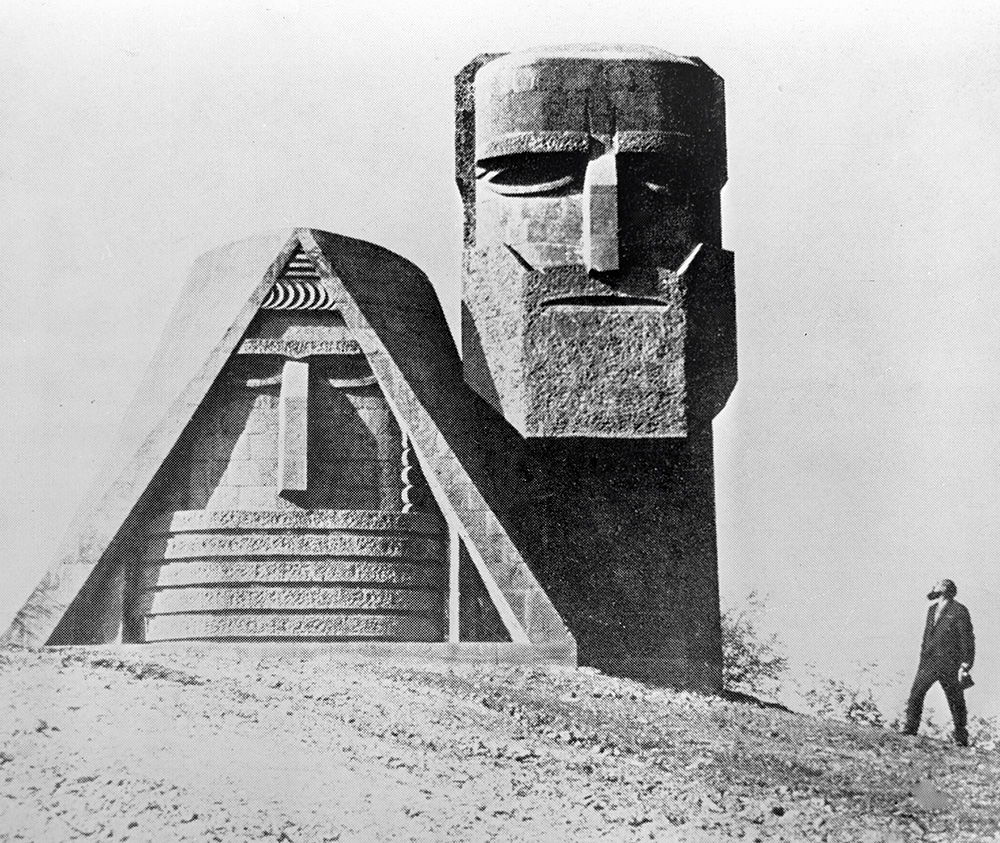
599 320
309 461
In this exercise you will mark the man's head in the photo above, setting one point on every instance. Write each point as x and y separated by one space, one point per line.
591 178
943 588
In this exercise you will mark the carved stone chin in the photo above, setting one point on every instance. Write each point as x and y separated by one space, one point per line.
591 183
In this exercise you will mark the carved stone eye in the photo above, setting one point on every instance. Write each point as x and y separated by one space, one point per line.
659 174
534 174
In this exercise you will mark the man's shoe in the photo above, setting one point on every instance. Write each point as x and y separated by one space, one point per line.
962 738
911 732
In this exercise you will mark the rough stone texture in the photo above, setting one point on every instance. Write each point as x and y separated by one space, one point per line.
192 545
297 460
599 321
504 496
340 564
322 569
298 347
272 598
361 521
185 627
236 440
298 335
598 200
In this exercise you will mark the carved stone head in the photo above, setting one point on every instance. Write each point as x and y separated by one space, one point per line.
590 177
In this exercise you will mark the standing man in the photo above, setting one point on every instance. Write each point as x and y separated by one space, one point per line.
946 656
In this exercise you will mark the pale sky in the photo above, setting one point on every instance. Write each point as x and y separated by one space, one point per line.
857 461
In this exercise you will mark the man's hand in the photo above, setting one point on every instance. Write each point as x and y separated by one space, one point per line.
963 673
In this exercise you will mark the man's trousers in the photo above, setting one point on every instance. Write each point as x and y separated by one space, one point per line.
927 676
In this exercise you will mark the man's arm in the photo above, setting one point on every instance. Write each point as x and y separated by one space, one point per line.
967 642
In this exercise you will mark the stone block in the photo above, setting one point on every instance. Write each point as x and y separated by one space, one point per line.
348 520
271 598
293 427
257 497
239 627
243 473
330 569
193 545
222 497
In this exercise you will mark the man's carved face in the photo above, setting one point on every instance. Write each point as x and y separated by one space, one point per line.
602 186
596 186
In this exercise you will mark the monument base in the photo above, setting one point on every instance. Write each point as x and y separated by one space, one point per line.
473 652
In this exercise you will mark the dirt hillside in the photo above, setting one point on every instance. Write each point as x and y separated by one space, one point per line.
211 744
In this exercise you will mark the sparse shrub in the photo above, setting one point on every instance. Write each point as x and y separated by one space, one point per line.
854 701
755 664
751 663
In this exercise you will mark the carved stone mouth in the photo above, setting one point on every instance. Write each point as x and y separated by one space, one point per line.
605 301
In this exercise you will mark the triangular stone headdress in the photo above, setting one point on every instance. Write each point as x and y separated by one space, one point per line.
391 312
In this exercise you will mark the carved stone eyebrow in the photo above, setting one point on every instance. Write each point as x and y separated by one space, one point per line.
657 141
516 143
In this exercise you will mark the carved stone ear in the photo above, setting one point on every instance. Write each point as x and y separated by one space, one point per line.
465 140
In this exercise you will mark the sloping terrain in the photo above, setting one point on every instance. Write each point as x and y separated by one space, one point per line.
211 744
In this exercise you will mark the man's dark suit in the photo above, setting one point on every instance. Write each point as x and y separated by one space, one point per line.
948 644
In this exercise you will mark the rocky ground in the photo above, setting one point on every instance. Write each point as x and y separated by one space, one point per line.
162 745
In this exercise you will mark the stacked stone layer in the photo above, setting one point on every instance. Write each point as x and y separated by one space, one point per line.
287 574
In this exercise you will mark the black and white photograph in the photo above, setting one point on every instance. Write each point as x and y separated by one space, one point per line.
544 421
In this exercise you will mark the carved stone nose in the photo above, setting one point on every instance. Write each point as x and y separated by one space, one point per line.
600 214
